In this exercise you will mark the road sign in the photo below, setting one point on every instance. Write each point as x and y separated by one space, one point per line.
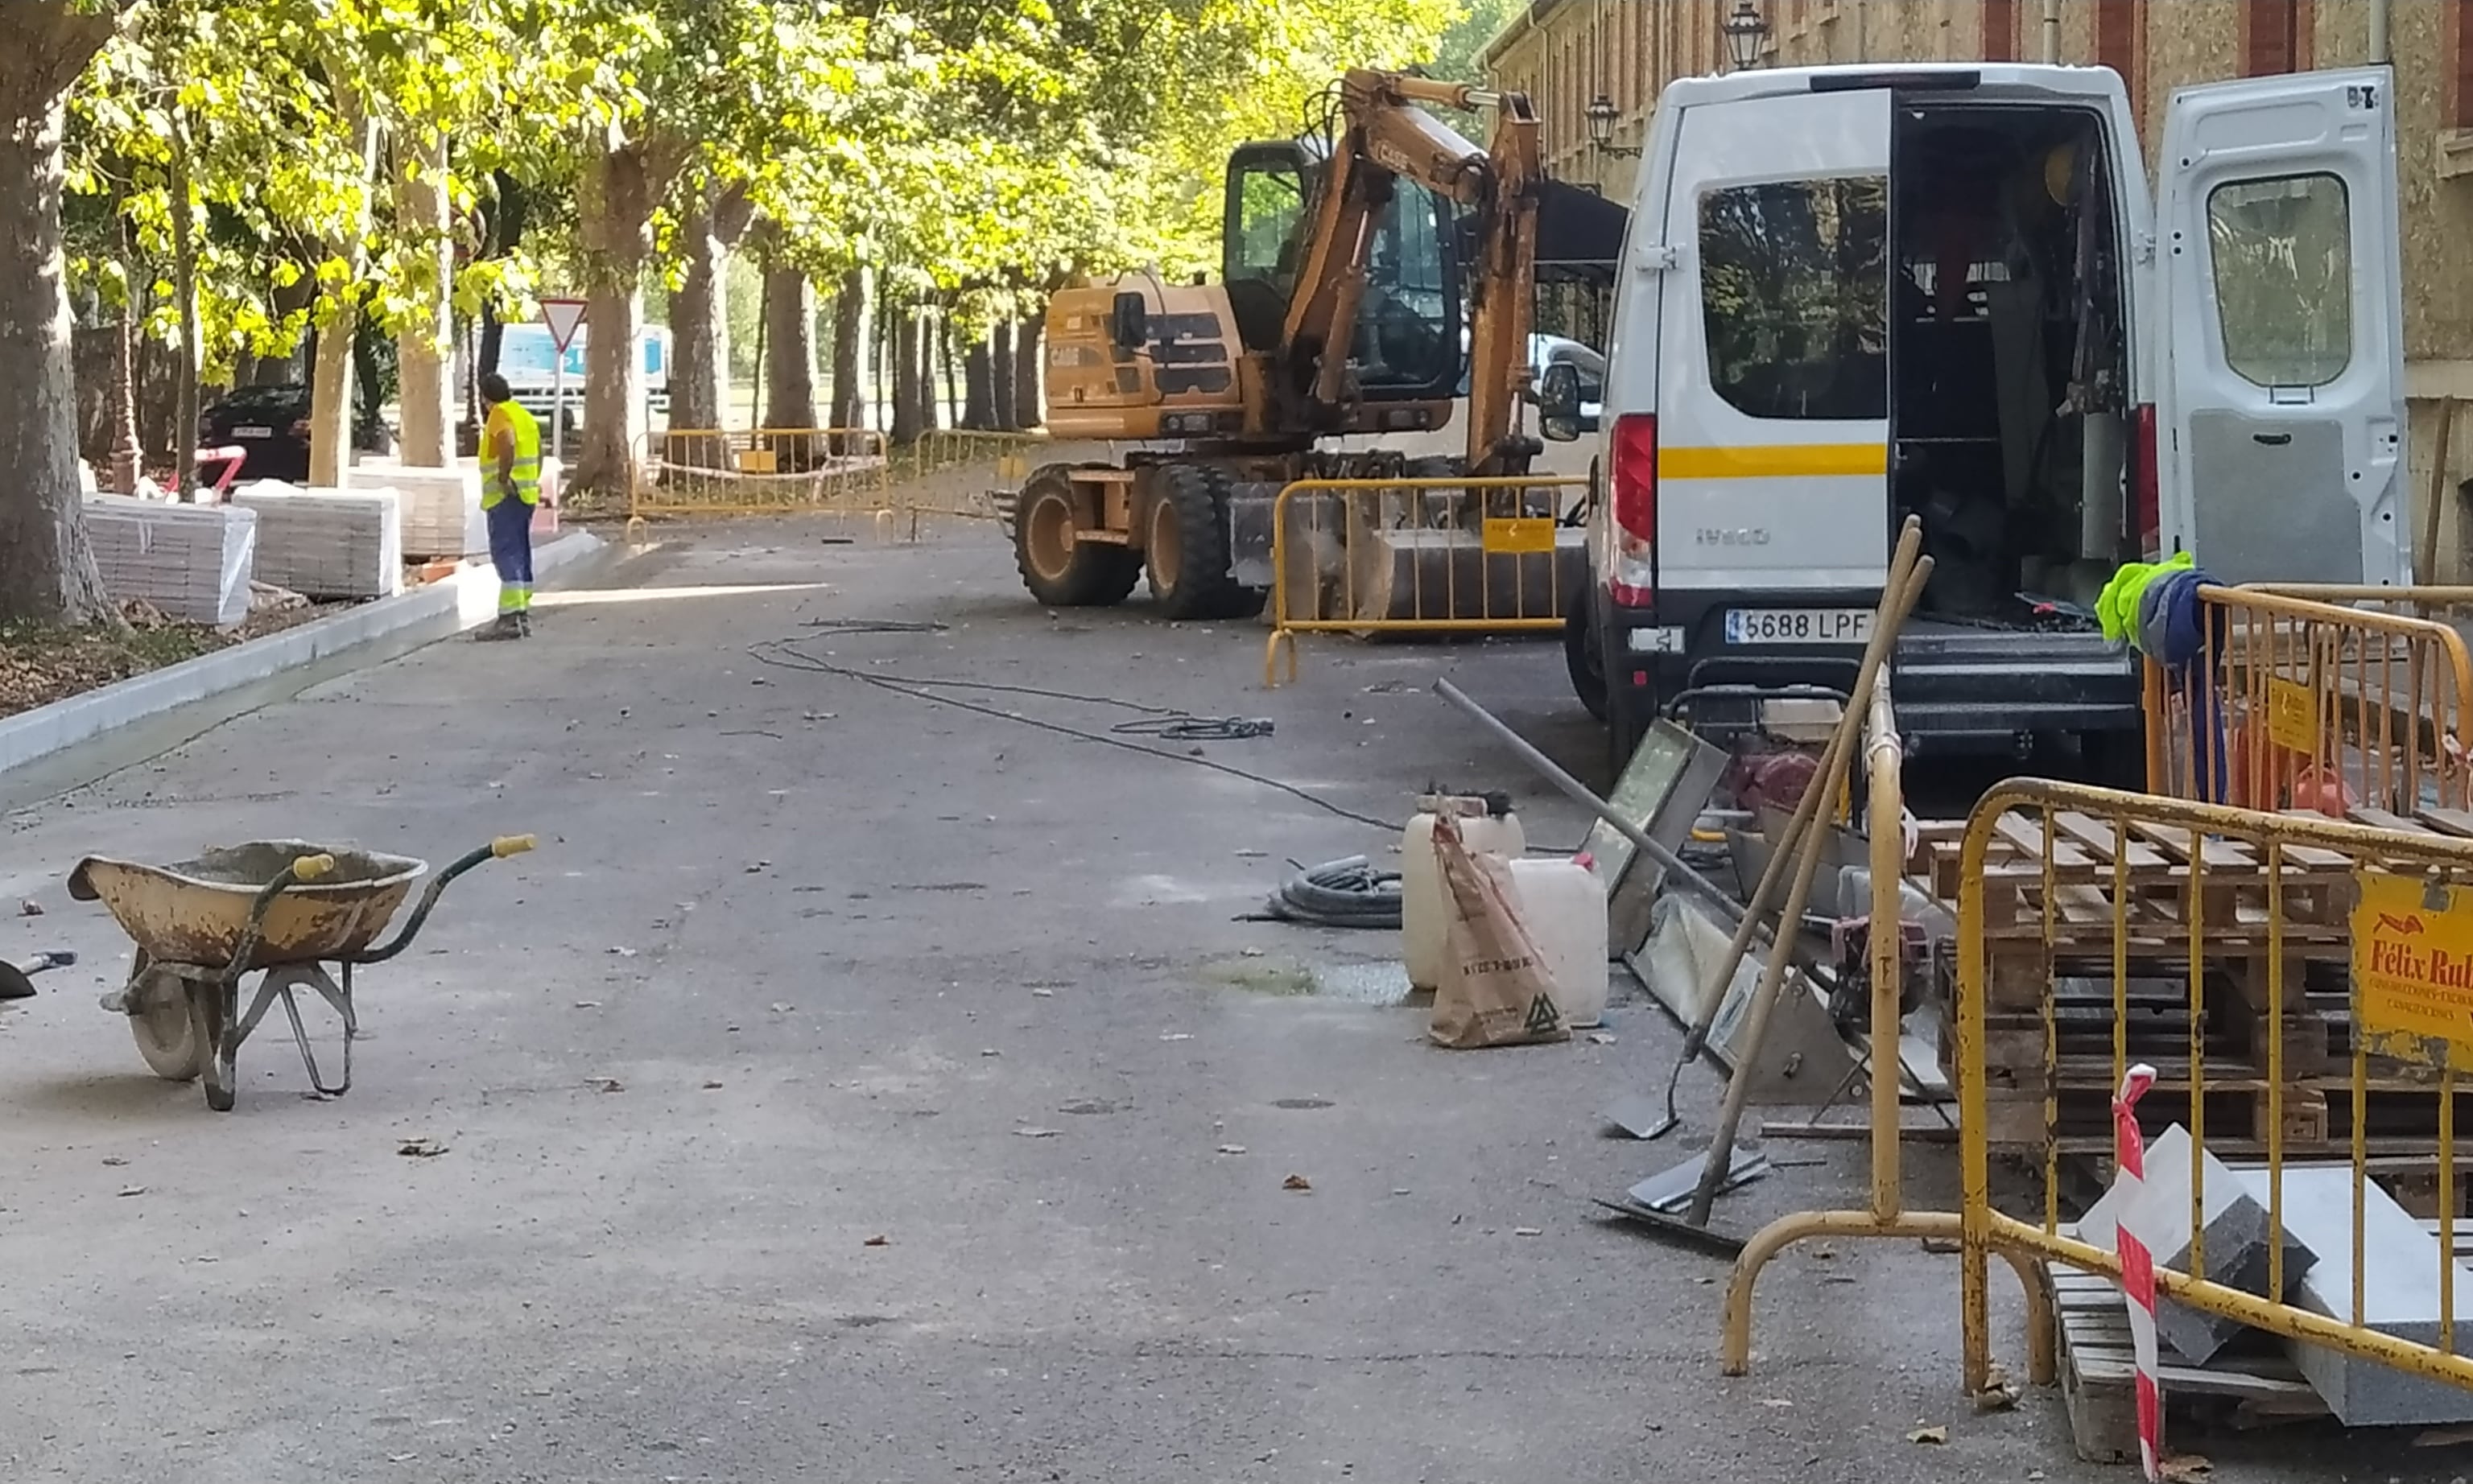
563 317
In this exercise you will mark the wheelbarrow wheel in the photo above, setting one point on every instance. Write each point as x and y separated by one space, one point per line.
167 1022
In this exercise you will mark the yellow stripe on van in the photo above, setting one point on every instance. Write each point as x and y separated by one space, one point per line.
1772 461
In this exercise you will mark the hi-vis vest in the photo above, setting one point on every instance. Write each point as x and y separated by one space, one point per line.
527 431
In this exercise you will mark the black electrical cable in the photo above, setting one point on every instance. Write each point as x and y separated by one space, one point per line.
786 654
1347 893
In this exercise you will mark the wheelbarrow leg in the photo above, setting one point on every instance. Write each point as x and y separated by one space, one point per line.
219 1005
282 982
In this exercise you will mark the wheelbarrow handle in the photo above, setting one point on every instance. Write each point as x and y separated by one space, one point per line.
496 849
303 868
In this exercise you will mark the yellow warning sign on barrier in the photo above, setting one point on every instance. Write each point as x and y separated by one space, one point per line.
2291 715
759 461
2413 960
1513 534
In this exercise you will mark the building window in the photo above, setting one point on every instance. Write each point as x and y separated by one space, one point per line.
2282 250
1794 296
2275 37
2000 29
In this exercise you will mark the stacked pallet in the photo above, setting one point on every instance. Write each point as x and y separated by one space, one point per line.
327 543
193 562
2066 920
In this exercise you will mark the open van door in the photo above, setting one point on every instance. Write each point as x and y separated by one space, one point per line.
2282 385
1772 440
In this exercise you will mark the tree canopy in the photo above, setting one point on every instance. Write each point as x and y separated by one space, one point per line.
232 178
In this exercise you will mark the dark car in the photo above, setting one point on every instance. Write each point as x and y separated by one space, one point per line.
271 426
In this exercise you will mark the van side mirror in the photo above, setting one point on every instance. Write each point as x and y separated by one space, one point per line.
1129 322
1565 404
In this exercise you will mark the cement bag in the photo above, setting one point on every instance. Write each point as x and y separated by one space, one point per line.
1496 989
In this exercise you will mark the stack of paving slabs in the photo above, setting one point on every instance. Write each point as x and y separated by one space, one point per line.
193 562
2400 1276
441 509
327 543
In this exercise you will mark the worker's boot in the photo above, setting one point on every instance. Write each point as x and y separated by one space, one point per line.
524 624
510 625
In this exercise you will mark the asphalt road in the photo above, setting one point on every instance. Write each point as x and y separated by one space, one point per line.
857 1087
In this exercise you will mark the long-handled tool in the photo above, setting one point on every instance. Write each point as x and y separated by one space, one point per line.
1798 843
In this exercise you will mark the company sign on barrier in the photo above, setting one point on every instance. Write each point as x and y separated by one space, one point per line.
2413 965
1421 556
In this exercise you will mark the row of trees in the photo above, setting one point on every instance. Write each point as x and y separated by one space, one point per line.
230 181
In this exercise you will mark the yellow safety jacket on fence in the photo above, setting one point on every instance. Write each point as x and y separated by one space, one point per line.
509 416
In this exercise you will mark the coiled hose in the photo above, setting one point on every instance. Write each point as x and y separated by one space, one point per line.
1347 893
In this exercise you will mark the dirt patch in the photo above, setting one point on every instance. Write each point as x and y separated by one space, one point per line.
40 665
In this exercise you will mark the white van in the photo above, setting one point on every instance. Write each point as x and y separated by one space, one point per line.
1851 294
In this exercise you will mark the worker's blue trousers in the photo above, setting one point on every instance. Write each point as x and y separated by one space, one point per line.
511 552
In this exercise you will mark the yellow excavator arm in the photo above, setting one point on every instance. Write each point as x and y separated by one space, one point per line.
1387 137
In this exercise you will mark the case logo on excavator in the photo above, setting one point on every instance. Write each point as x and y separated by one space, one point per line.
1731 535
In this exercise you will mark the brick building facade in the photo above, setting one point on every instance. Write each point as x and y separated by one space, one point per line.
1567 53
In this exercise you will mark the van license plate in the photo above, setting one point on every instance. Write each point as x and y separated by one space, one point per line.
248 431
1798 625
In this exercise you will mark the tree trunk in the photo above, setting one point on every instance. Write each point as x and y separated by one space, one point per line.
789 349
907 382
850 314
979 384
185 288
330 370
125 460
47 571
425 339
1001 371
700 313
1030 410
622 183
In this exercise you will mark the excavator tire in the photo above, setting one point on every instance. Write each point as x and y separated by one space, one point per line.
1059 571
1186 547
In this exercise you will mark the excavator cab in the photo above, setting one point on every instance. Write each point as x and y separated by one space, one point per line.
1406 344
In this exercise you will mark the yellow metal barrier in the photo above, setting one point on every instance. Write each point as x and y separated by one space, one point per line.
1419 556
761 472
2097 929
2299 703
1887 1215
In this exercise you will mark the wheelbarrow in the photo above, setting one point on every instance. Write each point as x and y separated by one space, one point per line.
300 915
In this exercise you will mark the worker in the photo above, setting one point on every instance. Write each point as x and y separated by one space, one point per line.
509 493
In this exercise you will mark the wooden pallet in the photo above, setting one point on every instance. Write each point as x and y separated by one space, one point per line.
2052 932
2250 1382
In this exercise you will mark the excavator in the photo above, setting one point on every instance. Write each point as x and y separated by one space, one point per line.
1349 258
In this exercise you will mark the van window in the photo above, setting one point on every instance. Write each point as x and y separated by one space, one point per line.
1794 291
2283 257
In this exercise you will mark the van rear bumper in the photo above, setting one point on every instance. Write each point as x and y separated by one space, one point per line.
1958 688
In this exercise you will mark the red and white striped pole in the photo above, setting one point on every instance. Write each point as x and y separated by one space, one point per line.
2137 1263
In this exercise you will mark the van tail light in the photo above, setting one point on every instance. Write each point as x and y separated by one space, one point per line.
1633 574
1636 475
2147 483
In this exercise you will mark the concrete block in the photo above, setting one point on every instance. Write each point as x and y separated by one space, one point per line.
2235 1225
2399 1298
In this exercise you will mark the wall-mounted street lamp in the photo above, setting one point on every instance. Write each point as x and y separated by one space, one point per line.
1745 30
1602 113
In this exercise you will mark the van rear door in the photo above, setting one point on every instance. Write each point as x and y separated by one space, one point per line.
2282 398
1772 428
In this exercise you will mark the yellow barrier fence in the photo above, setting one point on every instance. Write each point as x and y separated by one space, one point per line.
2299 982
759 471
1421 556
2299 703
1886 1216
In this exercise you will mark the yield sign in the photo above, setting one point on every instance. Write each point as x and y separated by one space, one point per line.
563 317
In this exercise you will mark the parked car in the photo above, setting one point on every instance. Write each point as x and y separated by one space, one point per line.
271 424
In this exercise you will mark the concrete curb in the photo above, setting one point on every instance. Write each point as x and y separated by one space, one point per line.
467 598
